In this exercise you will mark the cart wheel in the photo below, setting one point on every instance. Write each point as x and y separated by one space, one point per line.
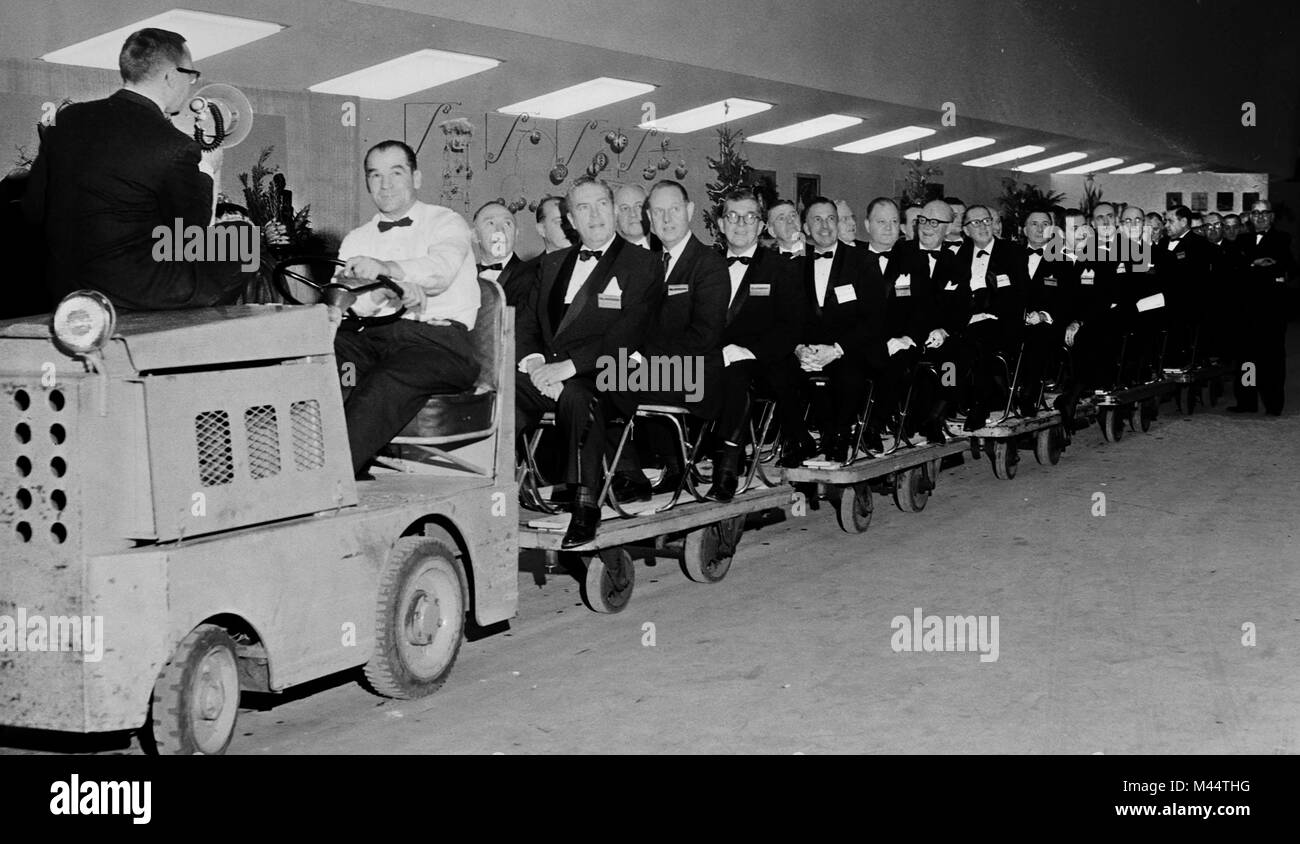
196 697
1147 413
1112 425
611 576
1047 446
709 550
912 490
1004 458
419 619
855 507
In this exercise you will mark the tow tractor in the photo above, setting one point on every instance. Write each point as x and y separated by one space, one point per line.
184 480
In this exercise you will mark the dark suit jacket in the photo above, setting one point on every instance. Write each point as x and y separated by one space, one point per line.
1006 284
767 314
911 309
518 278
857 324
1052 287
1183 273
588 330
693 315
1266 286
107 174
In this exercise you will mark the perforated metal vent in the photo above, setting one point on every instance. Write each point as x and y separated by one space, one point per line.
212 441
308 437
263 441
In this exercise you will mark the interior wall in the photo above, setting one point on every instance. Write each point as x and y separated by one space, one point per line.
1148 191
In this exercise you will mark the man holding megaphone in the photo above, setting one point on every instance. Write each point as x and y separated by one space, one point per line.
112 171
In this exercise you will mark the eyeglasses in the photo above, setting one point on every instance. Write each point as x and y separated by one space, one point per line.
1214 225
927 223
191 73
1260 213
749 218
981 223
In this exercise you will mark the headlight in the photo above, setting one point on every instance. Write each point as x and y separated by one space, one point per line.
84 322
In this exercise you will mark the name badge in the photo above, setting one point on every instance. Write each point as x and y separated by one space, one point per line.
1050 281
845 294
610 300
1004 280
903 285
1121 269
1280 279
1088 276
674 289
1180 255
760 290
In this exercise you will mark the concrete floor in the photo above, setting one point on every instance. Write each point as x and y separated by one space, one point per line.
1119 633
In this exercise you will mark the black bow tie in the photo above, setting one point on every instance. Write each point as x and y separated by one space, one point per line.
586 254
484 267
820 255
742 259
981 253
1037 252
385 225
932 252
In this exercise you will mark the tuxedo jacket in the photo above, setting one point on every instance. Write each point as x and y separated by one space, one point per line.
518 278
1183 272
589 327
1266 286
853 313
767 313
1002 291
107 175
1052 286
1135 280
940 298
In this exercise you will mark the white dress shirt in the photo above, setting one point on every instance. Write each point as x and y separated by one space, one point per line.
582 271
822 271
737 270
435 248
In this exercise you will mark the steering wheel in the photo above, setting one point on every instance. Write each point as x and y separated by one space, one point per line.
334 293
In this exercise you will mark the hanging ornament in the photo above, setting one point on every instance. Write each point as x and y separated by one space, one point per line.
534 137
619 143
649 172
559 173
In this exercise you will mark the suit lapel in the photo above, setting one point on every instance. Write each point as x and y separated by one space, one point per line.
594 284
562 276
742 293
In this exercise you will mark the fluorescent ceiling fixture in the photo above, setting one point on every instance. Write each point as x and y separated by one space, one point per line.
1133 168
405 75
579 98
205 34
1099 164
707 115
1004 156
1168 171
886 139
806 129
945 150
1049 163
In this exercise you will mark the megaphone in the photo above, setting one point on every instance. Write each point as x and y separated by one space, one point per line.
218 115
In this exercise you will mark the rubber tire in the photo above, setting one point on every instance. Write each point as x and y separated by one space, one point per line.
854 508
418 568
173 708
1112 425
910 494
1004 459
1047 446
610 580
1146 414
705 557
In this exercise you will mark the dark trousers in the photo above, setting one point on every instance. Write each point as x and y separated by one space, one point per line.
836 406
580 415
901 375
778 380
1265 347
389 371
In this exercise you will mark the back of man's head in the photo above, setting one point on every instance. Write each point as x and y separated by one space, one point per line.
148 52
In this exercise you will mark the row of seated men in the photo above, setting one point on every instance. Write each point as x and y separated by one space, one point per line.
931 332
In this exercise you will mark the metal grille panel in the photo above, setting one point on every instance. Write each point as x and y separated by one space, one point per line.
212 438
308 436
263 441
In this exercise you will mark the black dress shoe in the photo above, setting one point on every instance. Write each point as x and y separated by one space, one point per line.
795 451
726 475
582 526
975 420
630 486
561 497
671 479
934 432
871 442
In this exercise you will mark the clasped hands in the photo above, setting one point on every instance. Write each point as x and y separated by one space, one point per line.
813 358
549 378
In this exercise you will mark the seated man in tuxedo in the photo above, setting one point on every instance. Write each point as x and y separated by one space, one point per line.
1182 263
553 226
783 224
1047 305
685 332
843 328
590 301
996 273
494 238
764 318
389 370
1144 308
913 279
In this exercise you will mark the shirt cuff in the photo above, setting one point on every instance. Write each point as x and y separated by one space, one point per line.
523 364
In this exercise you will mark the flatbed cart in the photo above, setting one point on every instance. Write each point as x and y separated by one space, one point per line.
1116 407
908 473
701 535
1191 380
1047 430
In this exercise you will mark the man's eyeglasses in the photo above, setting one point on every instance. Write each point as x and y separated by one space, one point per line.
981 223
1260 213
191 73
928 223
1214 225
748 218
